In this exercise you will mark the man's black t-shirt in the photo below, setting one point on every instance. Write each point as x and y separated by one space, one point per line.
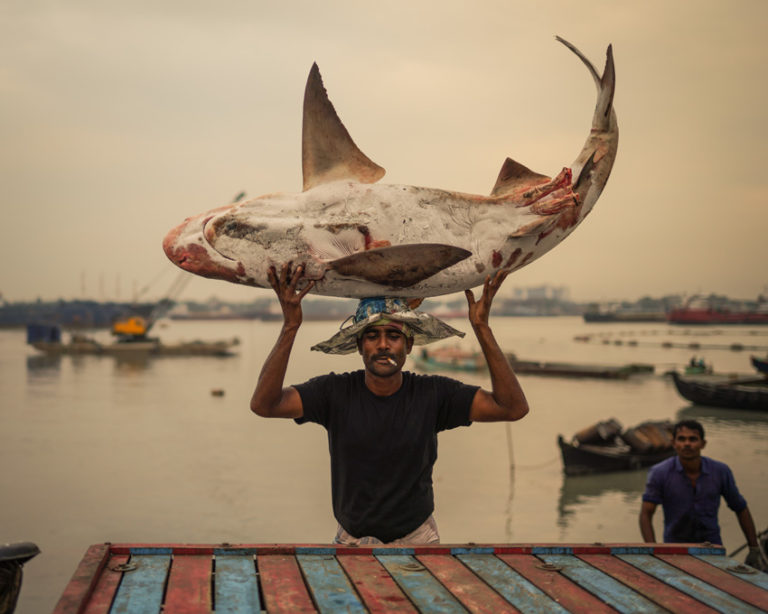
383 448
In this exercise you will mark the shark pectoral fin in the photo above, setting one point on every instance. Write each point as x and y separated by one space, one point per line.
399 266
328 153
514 176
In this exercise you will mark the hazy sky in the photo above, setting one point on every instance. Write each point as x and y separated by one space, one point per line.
118 120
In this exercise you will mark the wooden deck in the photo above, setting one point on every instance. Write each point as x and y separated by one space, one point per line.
224 578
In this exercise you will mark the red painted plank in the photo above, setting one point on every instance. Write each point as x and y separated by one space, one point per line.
283 585
719 579
648 586
379 592
189 585
106 587
474 594
568 594
80 587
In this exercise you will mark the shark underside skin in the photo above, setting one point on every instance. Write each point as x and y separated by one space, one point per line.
358 238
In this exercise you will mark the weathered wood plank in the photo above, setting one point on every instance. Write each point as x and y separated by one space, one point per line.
282 584
141 590
83 581
713 597
376 587
467 587
106 587
726 564
568 594
653 589
329 585
189 585
721 579
611 591
236 584
511 585
427 594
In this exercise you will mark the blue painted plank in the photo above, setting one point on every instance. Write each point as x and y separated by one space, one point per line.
525 596
551 550
706 593
600 584
404 551
235 551
324 550
151 550
141 590
472 550
727 564
236 585
426 593
329 585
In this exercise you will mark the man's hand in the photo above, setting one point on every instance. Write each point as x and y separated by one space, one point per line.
755 558
479 311
285 287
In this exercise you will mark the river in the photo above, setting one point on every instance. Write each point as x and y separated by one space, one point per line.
97 450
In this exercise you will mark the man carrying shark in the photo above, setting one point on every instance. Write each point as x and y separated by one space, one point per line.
382 422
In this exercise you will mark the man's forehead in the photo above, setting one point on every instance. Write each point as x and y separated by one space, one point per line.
687 432
394 327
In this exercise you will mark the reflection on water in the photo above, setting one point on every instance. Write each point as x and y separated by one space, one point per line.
721 415
42 364
108 450
581 490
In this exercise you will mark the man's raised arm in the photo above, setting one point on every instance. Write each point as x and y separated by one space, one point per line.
506 401
270 399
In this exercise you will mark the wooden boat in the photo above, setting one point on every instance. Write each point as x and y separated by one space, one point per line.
566 369
450 359
761 364
698 310
604 447
596 577
456 359
48 340
718 390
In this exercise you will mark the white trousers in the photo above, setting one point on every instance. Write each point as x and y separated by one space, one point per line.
425 534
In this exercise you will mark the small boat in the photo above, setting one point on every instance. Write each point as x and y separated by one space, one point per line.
605 447
761 364
47 339
456 359
450 359
567 369
722 390
700 310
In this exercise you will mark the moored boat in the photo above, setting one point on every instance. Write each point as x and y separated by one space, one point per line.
605 447
718 390
47 339
698 310
761 364
449 359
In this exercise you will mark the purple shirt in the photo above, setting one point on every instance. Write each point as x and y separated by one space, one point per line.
690 514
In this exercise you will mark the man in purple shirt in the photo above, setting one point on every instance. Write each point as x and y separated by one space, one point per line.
689 487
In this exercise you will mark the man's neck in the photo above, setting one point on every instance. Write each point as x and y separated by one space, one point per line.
691 466
383 386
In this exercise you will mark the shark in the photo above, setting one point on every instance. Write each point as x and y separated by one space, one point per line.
356 237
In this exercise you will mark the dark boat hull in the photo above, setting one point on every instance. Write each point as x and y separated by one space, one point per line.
760 364
751 394
585 459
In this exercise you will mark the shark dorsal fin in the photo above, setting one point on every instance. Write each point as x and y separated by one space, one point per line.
514 176
328 152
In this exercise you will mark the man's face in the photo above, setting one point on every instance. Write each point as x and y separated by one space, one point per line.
688 443
384 349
